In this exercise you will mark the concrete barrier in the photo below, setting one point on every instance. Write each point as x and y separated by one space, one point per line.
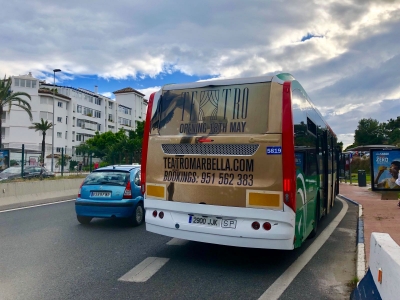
382 280
14 193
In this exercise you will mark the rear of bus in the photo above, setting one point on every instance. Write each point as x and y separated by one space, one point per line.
218 163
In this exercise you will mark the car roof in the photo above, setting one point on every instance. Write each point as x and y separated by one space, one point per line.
119 168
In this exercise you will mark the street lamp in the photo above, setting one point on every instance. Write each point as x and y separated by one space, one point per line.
52 140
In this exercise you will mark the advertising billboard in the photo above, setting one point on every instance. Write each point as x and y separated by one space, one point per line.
385 166
4 159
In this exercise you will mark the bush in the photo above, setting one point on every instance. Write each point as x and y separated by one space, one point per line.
359 163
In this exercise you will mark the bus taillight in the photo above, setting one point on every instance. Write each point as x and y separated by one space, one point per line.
145 143
288 161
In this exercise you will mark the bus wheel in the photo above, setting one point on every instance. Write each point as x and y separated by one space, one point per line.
313 233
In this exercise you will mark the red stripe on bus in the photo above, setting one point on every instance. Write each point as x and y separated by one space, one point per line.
145 143
288 161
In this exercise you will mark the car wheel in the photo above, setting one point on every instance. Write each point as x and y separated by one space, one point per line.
137 217
84 220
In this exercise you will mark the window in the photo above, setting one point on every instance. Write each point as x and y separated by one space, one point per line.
28 83
59 134
124 121
125 110
59 104
59 119
79 108
22 82
16 81
110 118
110 105
3 116
66 106
97 114
45 115
98 127
58 149
66 120
79 137
66 134
33 84
97 101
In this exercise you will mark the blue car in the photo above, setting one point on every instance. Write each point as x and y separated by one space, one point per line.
111 192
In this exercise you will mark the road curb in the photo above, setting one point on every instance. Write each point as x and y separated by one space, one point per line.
361 260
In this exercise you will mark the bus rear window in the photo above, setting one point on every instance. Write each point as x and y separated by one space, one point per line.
233 109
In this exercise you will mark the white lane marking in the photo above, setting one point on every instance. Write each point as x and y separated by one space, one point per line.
38 205
143 271
280 285
177 242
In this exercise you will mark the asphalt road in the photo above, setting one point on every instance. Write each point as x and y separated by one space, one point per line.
47 254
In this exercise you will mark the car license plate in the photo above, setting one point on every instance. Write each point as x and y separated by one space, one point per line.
101 194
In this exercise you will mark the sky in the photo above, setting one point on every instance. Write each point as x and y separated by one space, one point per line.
346 54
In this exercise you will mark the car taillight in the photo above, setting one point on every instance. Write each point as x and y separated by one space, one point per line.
80 188
128 191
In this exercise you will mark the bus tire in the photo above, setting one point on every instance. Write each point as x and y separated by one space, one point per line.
314 231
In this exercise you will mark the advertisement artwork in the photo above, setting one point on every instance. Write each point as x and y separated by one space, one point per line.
4 159
385 167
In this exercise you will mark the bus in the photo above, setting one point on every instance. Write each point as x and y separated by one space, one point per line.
247 162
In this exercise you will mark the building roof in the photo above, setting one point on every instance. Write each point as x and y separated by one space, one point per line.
128 90
49 92
368 147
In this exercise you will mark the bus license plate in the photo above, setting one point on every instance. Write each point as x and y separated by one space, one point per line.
207 221
101 194
228 224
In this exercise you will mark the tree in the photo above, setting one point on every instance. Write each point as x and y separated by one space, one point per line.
369 132
43 126
8 98
115 148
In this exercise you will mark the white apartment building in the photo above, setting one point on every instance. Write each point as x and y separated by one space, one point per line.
78 114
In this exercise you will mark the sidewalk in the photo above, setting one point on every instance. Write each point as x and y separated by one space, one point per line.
379 215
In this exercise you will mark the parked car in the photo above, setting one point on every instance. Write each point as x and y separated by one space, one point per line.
29 172
111 192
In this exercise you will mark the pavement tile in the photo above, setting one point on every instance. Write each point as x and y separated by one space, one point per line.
379 215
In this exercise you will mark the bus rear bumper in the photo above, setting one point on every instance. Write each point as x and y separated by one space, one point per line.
175 223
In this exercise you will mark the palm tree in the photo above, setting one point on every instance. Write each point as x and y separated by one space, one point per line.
7 97
43 126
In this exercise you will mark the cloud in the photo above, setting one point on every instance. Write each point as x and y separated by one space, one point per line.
108 95
148 91
345 54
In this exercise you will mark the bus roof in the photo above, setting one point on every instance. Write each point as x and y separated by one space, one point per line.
221 82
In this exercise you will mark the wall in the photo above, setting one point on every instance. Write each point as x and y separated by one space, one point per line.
21 192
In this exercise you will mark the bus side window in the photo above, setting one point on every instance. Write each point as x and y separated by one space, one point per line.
311 168
299 160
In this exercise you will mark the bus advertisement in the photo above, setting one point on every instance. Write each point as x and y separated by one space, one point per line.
245 162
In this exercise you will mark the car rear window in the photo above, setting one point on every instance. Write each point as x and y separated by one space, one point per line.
107 178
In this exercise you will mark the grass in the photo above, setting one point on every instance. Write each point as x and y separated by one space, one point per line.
353 283
354 176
